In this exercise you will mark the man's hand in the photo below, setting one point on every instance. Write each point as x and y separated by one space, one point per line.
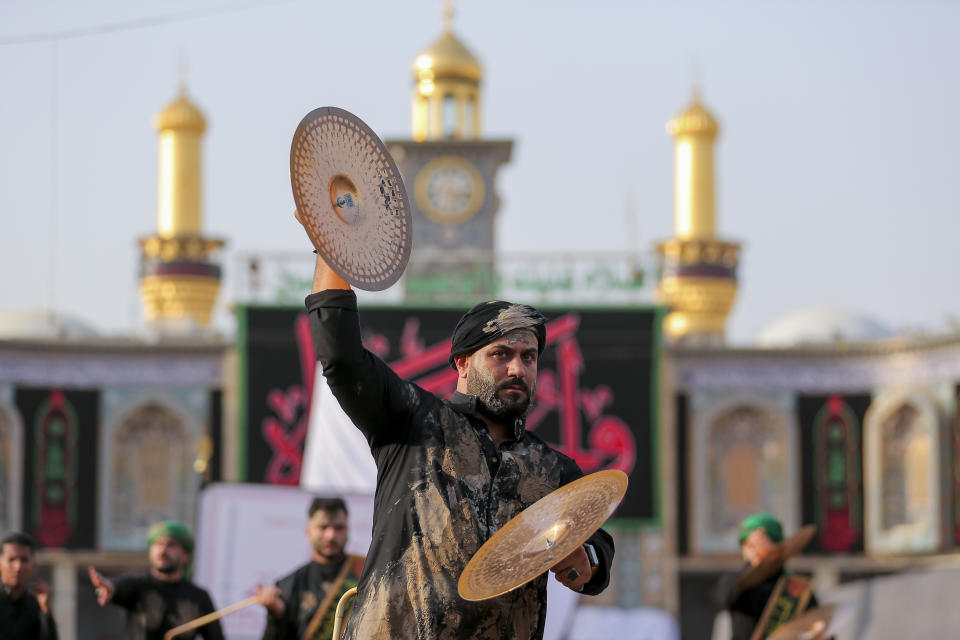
104 587
574 571
42 591
270 598
323 276
757 546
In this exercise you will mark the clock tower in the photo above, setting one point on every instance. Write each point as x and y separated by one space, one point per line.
450 173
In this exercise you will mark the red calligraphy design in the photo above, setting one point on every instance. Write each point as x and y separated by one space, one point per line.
286 431
611 444
587 434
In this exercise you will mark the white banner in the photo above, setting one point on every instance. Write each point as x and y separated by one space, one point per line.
336 456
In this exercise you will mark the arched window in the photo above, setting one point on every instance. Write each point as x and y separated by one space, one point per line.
742 465
469 118
11 470
449 116
150 448
740 475
902 434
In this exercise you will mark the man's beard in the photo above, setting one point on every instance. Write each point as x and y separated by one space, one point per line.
321 548
168 568
329 557
480 383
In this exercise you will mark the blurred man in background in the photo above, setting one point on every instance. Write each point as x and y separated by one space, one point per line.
303 604
164 598
772 595
24 614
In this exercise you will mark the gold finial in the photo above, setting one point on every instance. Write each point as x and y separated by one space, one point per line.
182 68
448 11
697 80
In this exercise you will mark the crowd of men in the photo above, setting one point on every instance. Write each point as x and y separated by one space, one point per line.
300 605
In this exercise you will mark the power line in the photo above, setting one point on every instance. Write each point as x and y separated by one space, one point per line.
52 240
139 23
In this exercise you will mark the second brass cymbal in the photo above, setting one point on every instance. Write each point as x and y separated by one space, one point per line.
815 624
542 534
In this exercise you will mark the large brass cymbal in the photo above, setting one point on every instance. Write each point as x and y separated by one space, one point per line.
350 198
815 624
773 562
541 535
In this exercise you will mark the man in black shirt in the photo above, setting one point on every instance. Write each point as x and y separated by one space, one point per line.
303 604
786 594
164 598
23 615
450 473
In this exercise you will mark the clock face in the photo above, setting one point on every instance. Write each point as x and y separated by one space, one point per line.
449 190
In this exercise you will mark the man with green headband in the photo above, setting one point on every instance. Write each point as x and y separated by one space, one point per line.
758 607
163 598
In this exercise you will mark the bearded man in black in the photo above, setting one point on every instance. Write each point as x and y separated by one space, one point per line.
303 604
24 611
163 598
450 472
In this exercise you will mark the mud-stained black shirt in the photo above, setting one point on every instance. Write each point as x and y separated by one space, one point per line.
443 489
23 619
154 607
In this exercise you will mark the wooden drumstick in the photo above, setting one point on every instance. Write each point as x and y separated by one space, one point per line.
210 617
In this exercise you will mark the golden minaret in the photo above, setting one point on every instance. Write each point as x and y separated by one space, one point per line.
178 281
446 92
698 272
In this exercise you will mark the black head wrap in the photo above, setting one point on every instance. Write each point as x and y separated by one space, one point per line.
488 321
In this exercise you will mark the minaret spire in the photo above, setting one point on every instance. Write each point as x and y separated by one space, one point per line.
697 80
179 283
698 277
184 68
448 11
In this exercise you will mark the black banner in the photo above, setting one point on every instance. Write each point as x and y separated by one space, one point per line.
60 471
595 388
831 445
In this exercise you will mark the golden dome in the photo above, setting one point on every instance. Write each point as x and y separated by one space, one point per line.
448 57
694 120
180 115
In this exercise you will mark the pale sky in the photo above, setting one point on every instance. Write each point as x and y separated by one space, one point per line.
838 162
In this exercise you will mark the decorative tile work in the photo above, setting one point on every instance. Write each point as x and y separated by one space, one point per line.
744 461
149 442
